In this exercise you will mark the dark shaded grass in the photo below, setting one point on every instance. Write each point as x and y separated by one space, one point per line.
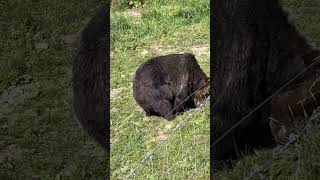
40 137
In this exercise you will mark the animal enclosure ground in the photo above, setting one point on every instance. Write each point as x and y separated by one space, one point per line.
40 137
301 162
157 28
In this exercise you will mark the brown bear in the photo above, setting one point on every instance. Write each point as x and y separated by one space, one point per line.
255 52
163 84
290 110
90 78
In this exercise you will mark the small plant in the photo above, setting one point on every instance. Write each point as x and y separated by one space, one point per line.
135 3
125 4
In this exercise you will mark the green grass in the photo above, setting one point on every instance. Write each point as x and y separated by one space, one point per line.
40 137
162 27
296 162
305 14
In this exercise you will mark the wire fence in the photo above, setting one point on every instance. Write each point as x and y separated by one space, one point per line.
176 156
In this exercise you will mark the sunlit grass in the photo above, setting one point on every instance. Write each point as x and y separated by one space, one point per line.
162 27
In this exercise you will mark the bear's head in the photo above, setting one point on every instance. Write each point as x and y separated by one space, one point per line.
202 93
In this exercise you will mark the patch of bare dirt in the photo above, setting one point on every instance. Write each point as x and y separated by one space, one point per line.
163 50
146 119
169 125
134 12
22 88
11 152
162 136
199 50
115 92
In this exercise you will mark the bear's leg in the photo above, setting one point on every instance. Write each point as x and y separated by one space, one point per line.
148 111
182 100
164 109
181 105
178 106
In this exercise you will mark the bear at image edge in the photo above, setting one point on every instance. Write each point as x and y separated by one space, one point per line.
90 85
256 52
162 83
291 109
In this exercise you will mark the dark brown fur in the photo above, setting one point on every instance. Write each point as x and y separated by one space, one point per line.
256 51
290 110
90 72
163 83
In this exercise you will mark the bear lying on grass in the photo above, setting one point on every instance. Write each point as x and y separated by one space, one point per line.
291 109
256 51
90 74
163 84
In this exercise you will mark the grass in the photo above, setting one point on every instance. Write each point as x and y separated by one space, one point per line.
157 28
296 162
40 137
305 14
